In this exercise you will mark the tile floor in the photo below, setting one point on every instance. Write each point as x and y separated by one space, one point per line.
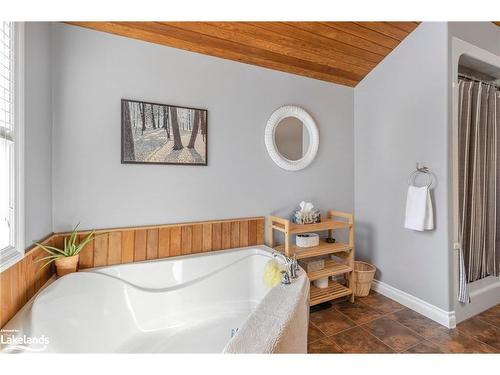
377 324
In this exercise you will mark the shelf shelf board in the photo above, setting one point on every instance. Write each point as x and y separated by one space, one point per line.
325 224
333 291
342 254
323 248
332 268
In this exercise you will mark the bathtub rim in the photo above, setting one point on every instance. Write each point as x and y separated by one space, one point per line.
24 323
261 248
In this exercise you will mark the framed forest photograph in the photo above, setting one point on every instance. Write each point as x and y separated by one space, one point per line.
155 133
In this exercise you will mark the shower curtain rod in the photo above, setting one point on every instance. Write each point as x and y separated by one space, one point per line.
461 75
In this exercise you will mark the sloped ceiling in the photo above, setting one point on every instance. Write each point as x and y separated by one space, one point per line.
338 52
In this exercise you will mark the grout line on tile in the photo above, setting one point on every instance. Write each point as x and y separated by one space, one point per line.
421 342
406 350
479 318
358 324
345 316
341 331
328 338
495 350
418 336
319 329
371 334
383 312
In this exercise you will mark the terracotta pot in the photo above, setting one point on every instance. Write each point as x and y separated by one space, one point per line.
67 265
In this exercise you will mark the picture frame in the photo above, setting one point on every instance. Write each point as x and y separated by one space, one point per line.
156 133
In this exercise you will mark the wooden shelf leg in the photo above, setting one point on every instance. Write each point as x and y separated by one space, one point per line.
287 238
349 283
270 234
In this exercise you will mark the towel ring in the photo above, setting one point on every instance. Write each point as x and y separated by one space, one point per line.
416 172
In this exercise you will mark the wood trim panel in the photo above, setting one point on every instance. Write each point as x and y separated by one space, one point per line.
112 246
338 52
22 280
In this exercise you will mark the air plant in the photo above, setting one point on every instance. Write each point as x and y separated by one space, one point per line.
71 248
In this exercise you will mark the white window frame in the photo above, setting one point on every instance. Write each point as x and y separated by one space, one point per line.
12 254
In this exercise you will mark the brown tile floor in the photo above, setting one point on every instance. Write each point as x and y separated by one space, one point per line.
377 324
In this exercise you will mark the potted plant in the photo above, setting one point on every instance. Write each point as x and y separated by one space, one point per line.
66 259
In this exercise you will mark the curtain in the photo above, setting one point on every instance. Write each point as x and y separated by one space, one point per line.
478 182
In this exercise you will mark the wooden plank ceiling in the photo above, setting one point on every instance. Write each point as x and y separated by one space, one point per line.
338 52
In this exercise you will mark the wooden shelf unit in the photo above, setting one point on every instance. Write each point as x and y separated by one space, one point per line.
324 248
333 291
332 268
335 221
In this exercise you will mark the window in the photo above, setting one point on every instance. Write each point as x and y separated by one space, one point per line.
11 143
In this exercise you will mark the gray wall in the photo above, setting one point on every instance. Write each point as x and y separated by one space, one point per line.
93 71
485 35
38 132
400 119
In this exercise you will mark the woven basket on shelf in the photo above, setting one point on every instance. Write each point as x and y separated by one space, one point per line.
362 278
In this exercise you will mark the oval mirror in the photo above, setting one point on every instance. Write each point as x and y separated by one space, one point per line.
291 138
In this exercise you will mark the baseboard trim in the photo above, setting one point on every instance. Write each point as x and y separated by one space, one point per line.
445 318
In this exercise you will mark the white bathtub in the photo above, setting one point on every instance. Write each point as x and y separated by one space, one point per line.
208 303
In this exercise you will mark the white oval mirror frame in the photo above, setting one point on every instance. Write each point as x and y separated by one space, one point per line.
272 149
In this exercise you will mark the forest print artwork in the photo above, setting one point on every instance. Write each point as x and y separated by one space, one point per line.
163 134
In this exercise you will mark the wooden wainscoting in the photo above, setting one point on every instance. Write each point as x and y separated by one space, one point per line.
125 245
22 280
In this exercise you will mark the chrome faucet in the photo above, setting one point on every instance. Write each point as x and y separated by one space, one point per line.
292 268
285 278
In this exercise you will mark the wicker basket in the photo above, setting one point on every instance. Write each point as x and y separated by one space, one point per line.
362 278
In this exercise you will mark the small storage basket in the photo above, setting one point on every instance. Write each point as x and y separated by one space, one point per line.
362 278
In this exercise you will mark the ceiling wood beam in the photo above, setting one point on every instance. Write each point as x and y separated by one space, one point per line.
363 32
255 36
408 27
224 45
317 39
257 29
177 38
385 29
329 32
337 52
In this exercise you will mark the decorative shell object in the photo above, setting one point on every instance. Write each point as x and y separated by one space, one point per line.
306 214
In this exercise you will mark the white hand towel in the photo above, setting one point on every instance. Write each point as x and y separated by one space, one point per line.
419 211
